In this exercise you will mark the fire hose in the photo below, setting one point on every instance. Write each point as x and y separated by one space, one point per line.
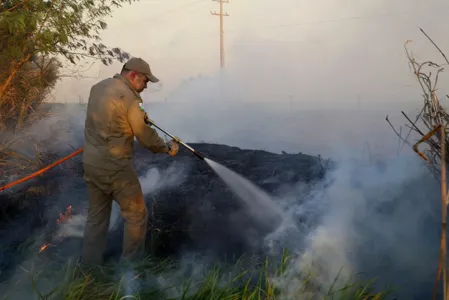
43 170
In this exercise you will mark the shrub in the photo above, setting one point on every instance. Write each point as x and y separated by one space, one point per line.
30 88
32 34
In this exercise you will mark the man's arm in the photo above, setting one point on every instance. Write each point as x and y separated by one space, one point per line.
146 135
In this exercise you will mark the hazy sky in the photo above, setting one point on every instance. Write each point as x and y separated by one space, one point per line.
326 54
310 49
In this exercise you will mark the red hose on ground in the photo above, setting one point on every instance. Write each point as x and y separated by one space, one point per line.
41 171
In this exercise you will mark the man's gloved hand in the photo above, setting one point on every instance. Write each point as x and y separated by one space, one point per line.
147 120
173 148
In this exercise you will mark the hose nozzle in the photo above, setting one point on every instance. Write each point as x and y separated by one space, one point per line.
199 155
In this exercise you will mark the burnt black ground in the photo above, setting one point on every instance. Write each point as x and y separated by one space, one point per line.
397 234
196 214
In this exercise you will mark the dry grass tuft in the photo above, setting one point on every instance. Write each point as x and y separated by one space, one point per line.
14 163
432 114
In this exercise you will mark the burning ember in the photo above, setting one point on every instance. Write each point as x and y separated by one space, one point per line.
44 247
62 218
66 216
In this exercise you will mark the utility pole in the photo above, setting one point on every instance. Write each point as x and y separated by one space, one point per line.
221 14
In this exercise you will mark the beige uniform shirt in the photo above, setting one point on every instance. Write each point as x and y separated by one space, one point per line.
114 116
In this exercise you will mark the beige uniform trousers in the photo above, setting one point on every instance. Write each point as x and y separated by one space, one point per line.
103 187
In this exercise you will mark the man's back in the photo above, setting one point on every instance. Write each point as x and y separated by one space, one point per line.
108 134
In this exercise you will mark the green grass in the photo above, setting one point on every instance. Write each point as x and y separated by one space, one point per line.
249 279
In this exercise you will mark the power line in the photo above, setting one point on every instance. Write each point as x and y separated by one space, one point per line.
171 11
221 14
311 23
336 20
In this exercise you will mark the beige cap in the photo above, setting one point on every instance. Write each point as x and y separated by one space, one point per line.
141 66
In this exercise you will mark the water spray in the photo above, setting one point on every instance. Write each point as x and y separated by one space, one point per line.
260 206
151 123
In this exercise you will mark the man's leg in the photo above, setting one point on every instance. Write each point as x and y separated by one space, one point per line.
97 225
130 198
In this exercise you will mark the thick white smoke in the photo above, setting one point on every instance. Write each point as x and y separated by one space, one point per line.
374 222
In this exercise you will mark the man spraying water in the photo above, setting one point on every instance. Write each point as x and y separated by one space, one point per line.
115 114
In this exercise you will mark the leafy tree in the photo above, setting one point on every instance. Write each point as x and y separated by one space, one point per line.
32 28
